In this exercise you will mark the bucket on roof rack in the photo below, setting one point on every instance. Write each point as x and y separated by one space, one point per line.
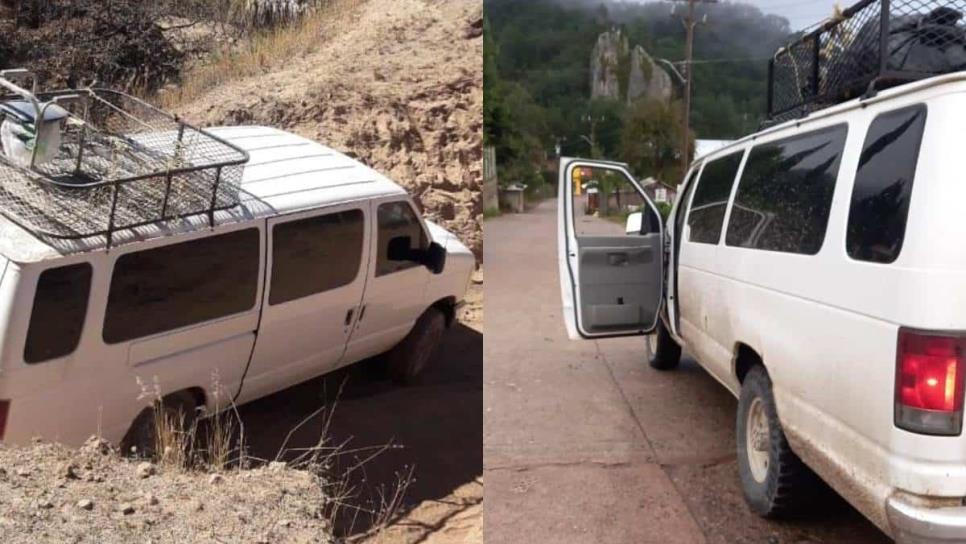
81 163
872 45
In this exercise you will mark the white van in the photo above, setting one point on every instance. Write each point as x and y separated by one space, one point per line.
815 270
325 262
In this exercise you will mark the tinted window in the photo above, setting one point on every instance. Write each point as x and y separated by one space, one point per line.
174 286
883 183
785 193
711 199
682 212
398 219
317 254
57 318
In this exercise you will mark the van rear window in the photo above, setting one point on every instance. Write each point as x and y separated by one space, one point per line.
170 287
883 184
57 317
785 193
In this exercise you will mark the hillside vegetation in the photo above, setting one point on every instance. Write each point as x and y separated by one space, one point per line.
538 67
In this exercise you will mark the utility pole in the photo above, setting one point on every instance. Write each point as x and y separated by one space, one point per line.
592 120
690 21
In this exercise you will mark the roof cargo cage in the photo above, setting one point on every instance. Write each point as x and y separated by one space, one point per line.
81 163
870 46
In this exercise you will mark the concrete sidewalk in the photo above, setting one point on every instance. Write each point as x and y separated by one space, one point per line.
583 442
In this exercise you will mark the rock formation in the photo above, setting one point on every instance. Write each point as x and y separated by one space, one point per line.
620 72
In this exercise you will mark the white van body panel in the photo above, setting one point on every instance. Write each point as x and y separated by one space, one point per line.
826 325
100 388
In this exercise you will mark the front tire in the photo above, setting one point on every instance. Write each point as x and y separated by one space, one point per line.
408 359
665 352
776 483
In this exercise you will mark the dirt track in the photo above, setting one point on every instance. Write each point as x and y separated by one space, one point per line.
584 443
435 428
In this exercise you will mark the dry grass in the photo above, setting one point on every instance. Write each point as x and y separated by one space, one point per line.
259 52
215 442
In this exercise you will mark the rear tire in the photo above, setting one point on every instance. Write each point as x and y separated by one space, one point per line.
665 352
408 359
776 483
141 439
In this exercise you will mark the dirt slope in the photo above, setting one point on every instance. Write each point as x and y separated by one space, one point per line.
399 85
52 494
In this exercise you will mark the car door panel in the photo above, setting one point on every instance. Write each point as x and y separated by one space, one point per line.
617 281
395 294
303 336
611 276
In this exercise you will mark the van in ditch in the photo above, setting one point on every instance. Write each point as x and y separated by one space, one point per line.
144 251
814 269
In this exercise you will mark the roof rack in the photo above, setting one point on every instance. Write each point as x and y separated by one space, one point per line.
873 45
83 163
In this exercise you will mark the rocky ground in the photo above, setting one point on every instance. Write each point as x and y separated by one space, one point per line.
395 83
49 493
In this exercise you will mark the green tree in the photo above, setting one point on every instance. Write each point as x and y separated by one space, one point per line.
651 139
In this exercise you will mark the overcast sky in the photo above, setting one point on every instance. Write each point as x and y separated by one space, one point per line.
801 13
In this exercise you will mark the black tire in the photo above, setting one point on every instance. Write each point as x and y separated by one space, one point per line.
141 438
665 352
408 359
786 487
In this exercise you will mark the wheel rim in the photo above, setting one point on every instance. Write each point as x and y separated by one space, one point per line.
757 440
652 343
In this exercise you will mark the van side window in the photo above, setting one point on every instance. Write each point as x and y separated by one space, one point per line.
57 318
883 183
170 287
397 219
315 254
711 198
785 193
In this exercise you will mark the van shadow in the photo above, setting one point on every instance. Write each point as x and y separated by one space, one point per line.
433 429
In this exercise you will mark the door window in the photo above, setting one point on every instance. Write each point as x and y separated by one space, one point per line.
603 199
398 219
785 193
170 287
57 317
883 185
316 254
711 199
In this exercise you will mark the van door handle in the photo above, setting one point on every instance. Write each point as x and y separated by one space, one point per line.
348 316
617 259
362 314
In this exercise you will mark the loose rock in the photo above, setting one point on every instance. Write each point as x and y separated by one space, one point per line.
144 470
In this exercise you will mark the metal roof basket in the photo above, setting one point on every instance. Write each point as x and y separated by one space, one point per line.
81 163
870 46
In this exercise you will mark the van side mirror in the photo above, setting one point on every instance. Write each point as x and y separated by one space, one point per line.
433 258
635 223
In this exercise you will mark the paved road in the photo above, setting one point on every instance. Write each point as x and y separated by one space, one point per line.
583 442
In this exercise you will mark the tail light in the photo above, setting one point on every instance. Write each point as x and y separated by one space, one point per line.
929 382
4 411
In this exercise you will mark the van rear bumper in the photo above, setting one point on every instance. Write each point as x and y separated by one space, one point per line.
915 524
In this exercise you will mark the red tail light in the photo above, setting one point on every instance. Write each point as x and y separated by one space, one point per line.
4 410
929 382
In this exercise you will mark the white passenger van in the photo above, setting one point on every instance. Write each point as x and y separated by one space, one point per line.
324 262
815 269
